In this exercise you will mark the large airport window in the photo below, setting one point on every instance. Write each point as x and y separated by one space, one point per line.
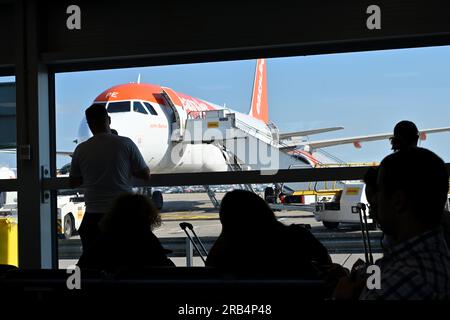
321 111
121 106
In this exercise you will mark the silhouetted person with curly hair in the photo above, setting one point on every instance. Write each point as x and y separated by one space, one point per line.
126 239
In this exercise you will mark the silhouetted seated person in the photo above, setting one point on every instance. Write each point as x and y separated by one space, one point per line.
370 179
406 135
126 240
412 189
253 242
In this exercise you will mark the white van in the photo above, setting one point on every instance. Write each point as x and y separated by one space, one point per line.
344 207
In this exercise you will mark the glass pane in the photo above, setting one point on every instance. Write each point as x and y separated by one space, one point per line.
7 128
150 108
8 199
121 106
8 228
70 213
193 205
137 107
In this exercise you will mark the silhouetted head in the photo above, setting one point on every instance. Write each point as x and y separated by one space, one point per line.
245 211
97 118
405 135
114 131
131 213
412 192
370 179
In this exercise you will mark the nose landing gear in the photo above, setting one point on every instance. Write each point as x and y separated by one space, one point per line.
156 196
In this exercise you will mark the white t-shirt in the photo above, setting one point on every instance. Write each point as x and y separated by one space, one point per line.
106 163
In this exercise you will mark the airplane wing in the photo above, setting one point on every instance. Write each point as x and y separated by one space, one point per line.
64 153
59 153
357 140
288 135
8 151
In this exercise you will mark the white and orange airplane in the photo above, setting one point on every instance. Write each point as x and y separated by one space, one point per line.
151 115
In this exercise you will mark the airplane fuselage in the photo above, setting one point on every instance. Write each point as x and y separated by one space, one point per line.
150 116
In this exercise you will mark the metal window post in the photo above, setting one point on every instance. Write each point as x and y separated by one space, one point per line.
36 237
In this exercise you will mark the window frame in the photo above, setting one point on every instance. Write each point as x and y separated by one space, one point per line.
144 103
142 106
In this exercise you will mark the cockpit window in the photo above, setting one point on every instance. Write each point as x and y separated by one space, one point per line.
150 109
138 107
120 106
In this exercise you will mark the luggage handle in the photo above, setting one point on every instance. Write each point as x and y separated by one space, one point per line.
187 225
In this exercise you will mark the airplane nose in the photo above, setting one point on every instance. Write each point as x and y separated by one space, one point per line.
84 132
119 125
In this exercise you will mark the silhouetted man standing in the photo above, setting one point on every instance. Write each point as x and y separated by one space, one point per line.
104 166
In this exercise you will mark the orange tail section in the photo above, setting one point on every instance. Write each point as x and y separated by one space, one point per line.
259 107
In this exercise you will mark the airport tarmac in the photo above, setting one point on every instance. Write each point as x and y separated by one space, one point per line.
205 220
197 209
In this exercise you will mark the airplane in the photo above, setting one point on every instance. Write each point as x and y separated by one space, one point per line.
154 117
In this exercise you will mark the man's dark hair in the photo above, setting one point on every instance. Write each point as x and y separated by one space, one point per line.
406 134
423 177
96 114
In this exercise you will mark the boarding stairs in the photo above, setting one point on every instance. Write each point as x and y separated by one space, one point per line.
212 196
235 165
244 142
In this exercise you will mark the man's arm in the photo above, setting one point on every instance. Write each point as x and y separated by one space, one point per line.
143 174
75 182
139 168
75 177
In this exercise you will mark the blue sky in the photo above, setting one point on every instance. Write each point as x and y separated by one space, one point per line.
365 92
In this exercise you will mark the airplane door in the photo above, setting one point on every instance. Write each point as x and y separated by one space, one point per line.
173 116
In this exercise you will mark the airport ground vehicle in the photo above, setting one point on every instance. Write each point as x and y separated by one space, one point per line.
71 210
8 200
8 203
344 206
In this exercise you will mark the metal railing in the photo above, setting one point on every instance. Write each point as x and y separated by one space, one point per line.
181 247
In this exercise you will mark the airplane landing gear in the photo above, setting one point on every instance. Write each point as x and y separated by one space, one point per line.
158 200
156 196
269 195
